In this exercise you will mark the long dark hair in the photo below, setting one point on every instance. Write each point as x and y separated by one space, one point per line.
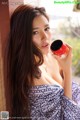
22 65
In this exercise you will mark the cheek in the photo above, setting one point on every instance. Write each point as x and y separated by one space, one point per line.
50 35
36 41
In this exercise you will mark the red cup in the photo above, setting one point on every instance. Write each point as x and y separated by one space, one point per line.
59 48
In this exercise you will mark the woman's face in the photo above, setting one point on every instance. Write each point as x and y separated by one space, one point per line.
41 33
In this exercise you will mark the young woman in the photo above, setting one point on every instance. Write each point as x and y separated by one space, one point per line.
39 90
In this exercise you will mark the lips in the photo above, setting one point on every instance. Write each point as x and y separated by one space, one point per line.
45 45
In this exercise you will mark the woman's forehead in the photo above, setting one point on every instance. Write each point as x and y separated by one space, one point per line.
40 21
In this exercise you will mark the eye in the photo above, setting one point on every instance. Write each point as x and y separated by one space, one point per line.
35 32
47 28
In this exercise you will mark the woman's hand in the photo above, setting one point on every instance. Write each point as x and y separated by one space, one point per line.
65 63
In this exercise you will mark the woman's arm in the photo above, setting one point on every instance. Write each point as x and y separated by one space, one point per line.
65 64
68 83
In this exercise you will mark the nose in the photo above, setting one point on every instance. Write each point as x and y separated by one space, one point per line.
44 35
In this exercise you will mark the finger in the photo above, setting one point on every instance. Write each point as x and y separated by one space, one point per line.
69 46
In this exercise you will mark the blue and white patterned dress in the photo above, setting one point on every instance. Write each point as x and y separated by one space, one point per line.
47 102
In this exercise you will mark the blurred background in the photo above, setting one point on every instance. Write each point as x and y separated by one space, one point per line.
65 24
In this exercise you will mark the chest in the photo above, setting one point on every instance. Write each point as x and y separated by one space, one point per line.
52 69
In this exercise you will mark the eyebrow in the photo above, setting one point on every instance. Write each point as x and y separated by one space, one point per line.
38 27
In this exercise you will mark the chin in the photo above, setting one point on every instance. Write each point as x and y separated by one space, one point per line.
45 52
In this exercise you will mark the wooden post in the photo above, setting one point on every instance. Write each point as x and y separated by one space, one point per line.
6 8
4 27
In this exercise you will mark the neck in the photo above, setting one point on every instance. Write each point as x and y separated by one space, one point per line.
45 58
